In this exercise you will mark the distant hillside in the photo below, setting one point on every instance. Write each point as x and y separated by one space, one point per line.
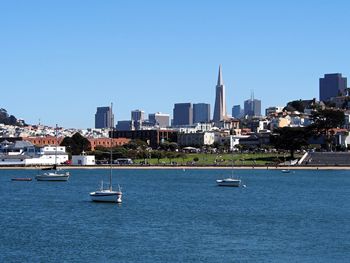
7 119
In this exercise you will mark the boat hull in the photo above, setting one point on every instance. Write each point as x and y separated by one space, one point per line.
285 171
106 196
229 183
21 179
53 177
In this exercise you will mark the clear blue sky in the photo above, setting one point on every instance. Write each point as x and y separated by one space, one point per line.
59 60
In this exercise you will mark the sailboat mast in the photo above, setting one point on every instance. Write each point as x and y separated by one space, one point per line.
111 141
56 146
232 165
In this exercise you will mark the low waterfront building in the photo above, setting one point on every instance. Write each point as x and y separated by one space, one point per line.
24 153
83 159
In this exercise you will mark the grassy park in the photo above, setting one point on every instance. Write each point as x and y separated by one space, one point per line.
203 159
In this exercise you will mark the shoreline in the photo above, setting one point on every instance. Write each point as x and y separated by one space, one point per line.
156 167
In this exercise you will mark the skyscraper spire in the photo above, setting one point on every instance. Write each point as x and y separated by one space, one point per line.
220 81
220 99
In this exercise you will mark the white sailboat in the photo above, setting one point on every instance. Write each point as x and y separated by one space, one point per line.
53 173
230 181
107 195
56 175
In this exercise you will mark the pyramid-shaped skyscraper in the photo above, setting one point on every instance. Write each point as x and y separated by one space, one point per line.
220 99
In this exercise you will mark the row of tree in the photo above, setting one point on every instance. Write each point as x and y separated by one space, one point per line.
135 149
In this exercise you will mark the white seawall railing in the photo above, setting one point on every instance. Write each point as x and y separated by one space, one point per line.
303 158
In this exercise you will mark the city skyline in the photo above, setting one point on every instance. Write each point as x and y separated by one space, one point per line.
98 54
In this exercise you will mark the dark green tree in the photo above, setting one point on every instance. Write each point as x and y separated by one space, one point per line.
7 119
76 144
101 153
173 146
324 123
290 139
295 105
164 146
158 155
170 156
136 144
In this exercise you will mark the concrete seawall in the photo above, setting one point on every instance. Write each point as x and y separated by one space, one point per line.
143 167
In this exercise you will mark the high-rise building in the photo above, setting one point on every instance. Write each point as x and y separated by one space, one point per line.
182 114
332 85
201 112
220 99
159 119
237 112
252 107
124 125
137 118
104 117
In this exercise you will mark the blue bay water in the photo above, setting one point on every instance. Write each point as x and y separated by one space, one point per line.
177 216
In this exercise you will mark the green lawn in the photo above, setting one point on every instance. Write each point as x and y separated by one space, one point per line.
221 159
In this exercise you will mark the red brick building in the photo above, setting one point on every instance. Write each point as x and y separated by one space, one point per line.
51 140
107 142
42 141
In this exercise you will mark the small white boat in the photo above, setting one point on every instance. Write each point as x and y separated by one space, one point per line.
229 182
285 171
106 195
53 176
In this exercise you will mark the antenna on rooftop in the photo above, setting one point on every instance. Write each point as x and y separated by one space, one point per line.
252 104
251 95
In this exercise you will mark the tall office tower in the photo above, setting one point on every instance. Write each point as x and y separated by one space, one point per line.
137 118
236 111
182 114
124 125
201 112
220 99
104 117
159 119
332 85
252 107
